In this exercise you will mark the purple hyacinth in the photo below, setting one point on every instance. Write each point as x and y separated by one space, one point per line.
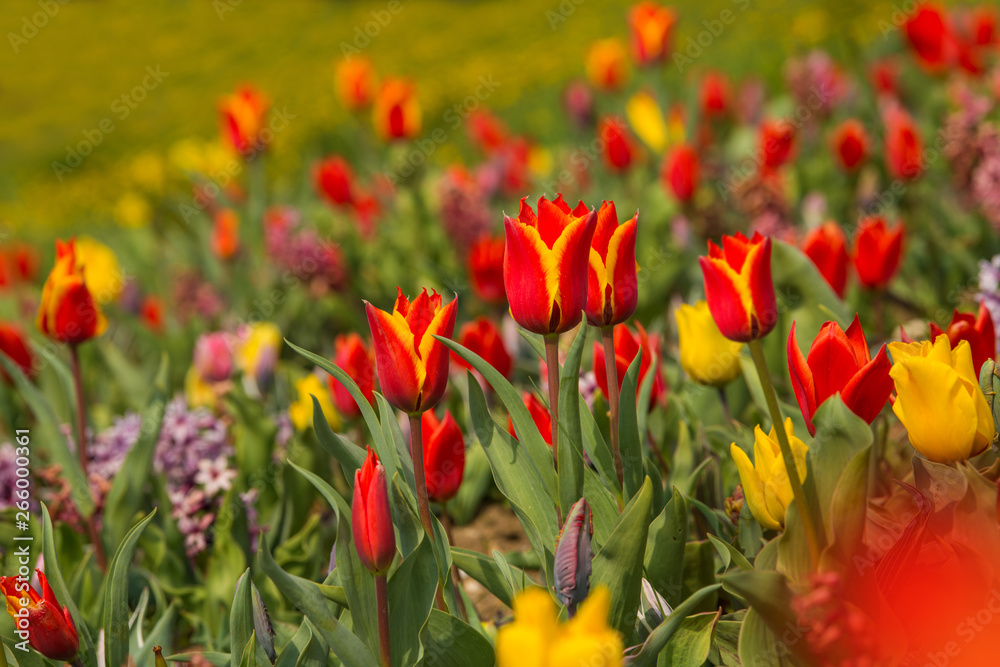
8 475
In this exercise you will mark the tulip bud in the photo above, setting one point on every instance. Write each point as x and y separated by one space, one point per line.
355 82
258 354
607 64
849 144
225 234
738 287
371 518
69 312
396 112
765 482
651 27
539 414
877 251
334 180
444 455
904 151
242 117
486 270
707 356
826 246
482 337
619 150
614 289
213 356
681 172
356 359
777 142
14 346
46 624
627 345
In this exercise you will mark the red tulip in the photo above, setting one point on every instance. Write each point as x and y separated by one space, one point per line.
68 311
14 346
444 455
355 83
929 36
883 75
371 518
613 291
40 619
482 337
627 345
486 131
356 359
618 147
877 251
366 210
151 313
412 365
681 172
826 246
242 117
776 143
841 363
334 180
904 152
714 96
849 144
225 234
539 414
545 266
396 112
651 26
486 269
977 330
739 288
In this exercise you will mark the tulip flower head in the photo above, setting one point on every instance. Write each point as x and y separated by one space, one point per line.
766 487
826 246
48 625
877 251
257 354
607 64
69 311
613 291
651 26
977 330
627 345
681 172
536 632
444 455
849 144
904 149
241 117
714 95
396 112
334 181
356 359
939 400
213 356
14 346
103 275
225 234
929 35
708 357
371 517
619 149
545 264
355 80
412 366
486 269
777 143
483 337
738 287
839 363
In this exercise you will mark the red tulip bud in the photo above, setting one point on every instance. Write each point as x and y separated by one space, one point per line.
371 517
47 625
444 455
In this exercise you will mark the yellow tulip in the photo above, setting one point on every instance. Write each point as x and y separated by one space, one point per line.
101 272
258 353
301 410
939 401
707 356
536 638
646 118
765 482
198 392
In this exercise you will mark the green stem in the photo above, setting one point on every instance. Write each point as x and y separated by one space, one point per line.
552 368
611 370
81 450
799 494
382 601
420 481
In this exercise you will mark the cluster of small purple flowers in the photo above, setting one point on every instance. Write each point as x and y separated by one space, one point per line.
302 252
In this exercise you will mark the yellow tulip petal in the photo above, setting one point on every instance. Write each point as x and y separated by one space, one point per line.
522 645
753 488
603 649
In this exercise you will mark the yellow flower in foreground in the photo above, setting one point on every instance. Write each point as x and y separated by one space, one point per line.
646 118
707 356
301 410
939 401
765 483
101 272
535 638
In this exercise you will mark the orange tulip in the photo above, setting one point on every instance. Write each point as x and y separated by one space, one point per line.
226 234
607 64
396 112
242 116
68 311
777 143
355 83
651 26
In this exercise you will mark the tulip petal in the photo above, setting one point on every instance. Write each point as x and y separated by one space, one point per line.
802 381
400 371
753 489
870 388
728 299
530 276
571 257
621 271
832 361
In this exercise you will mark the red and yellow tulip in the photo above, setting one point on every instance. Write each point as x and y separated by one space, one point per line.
47 625
356 359
355 80
242 116
613 291
68 311
739 288
651 26
483 337
396 112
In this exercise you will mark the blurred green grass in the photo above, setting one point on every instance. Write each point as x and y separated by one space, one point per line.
66 78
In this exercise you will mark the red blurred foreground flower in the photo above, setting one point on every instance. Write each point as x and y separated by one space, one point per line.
486 269
482 337
776 143
930 37
904 151
545 265
539 414
444 455
356 359
40 619
14 346
334 180
849 144
739 288
681 170
977 329
371 518
412 365
826 246
242 116
68 311
396 112
355 83
627 345
877 251
651 26
613 292
619 150
839 362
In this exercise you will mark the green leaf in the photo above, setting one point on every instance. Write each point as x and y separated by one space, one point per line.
597 448
306 597
602 504
629 439
411 597
849 508
513 581
730 554
486 571
727 641
618 565
240 618
570 437
450 642
659 638
664 557
116 597
304 646
395 453
759 647
132 380
770 597
691 643
349 455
